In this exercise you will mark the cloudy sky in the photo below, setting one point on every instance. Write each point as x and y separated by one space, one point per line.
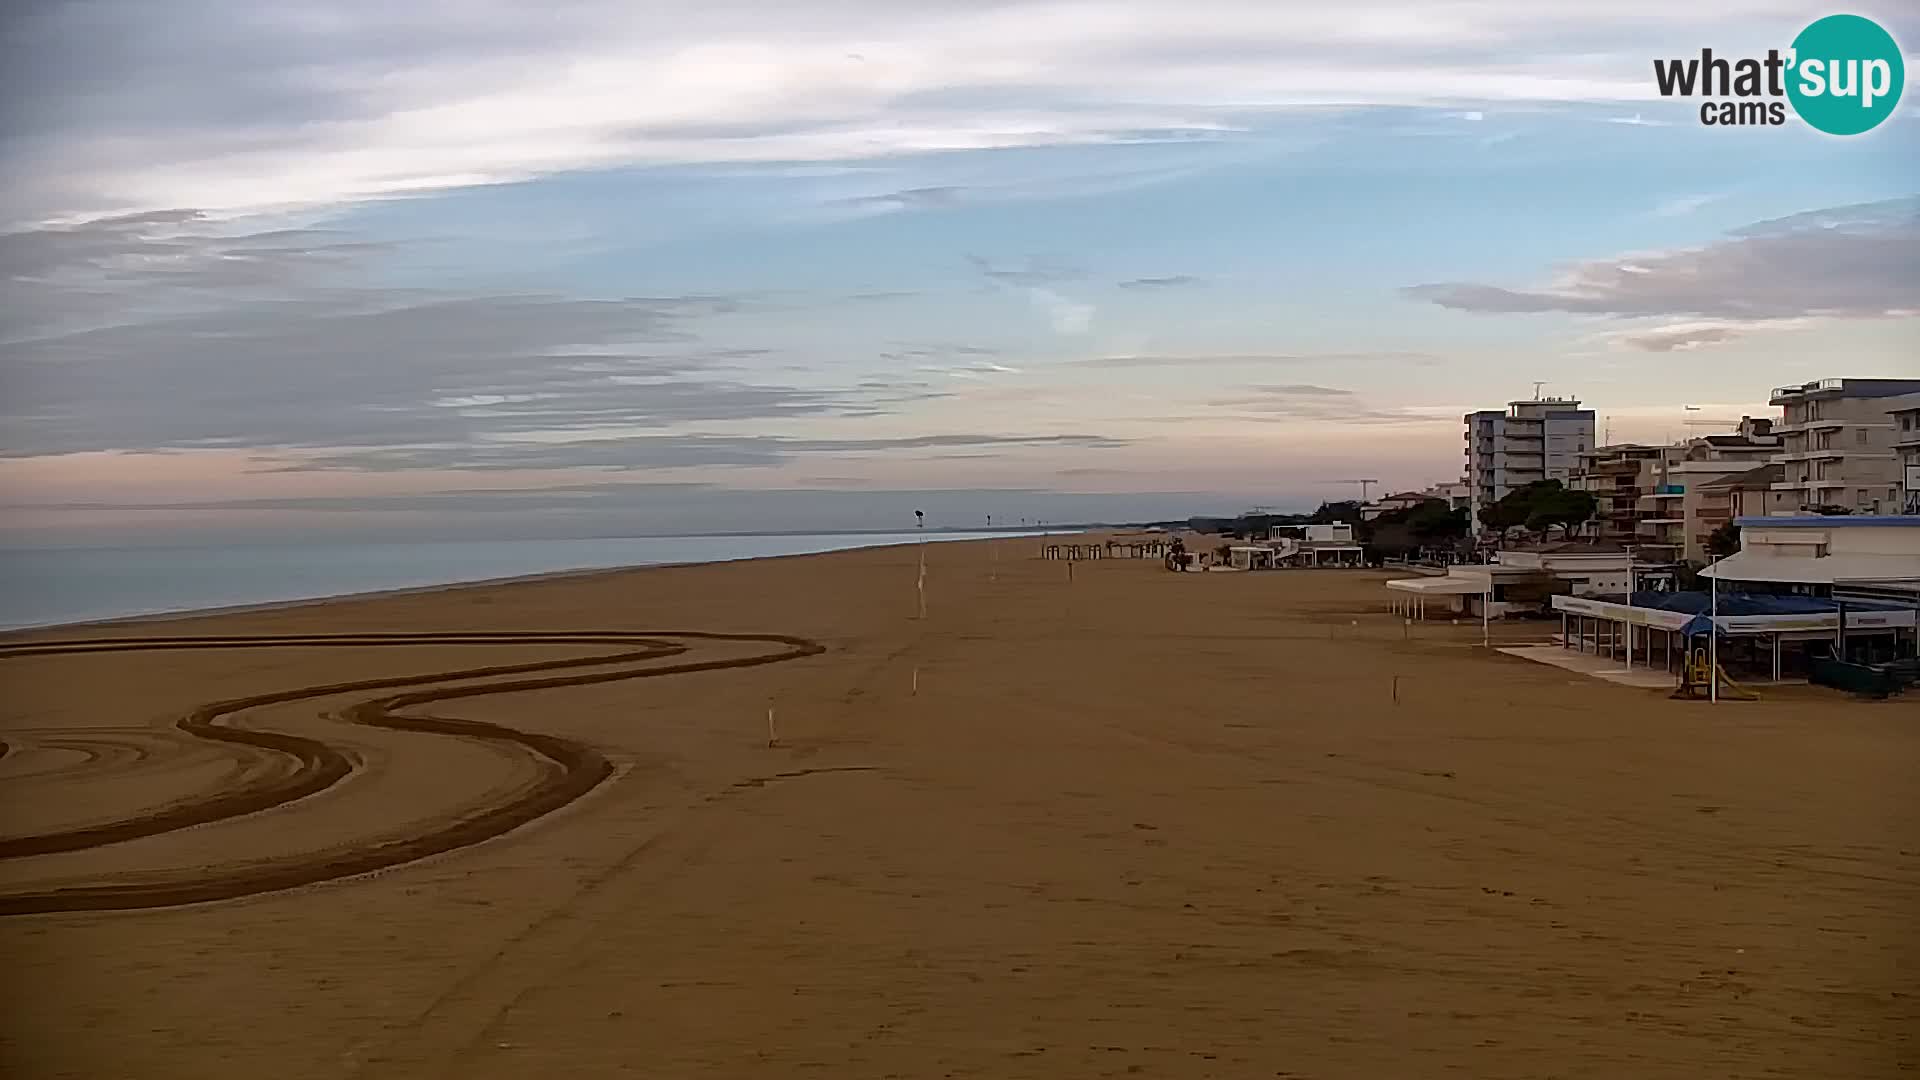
445 267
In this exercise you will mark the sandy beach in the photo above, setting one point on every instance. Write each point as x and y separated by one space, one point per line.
757 819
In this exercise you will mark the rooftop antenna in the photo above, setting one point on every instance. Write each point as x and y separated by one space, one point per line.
1538 383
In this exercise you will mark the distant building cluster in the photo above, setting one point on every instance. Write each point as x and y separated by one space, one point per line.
1838 447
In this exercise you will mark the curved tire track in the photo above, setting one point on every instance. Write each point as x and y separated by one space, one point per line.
569 769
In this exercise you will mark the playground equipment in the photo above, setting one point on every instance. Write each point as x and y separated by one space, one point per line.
1696 673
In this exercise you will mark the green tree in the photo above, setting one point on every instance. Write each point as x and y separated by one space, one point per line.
1433 522
1427 524
1331 513
1559 507
1540 506
1724 541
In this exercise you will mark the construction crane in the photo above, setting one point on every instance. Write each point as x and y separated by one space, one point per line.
1364 484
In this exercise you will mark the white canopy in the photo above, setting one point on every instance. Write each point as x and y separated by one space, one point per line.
1451 585
1751 566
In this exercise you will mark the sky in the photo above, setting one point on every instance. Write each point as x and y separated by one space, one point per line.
307 270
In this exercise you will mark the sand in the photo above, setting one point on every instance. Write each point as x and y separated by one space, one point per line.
1137 823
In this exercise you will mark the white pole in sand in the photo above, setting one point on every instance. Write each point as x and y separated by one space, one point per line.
920 586
1713 638
1486 620
993 553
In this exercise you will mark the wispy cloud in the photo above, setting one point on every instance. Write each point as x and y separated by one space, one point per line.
1306 402
121 103
1037 280
1700 334
1858 261
1682 205
1068 317
1167 282
1202 360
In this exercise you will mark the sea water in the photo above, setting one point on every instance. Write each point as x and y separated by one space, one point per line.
49 586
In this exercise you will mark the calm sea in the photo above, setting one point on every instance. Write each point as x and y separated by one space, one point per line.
43 587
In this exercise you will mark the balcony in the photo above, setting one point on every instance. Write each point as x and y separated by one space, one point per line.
1825 453
1783 395
1615 467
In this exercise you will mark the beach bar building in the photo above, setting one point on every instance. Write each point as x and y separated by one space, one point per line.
1295 546
1518 580
1772 634
1799 588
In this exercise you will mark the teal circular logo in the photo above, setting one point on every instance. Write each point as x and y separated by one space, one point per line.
1846 75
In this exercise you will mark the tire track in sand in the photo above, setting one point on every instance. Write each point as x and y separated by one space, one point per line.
568 769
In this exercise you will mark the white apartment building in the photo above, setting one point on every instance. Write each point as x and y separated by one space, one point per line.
1906 443
1838 444
1541 439
1458 494
1653 498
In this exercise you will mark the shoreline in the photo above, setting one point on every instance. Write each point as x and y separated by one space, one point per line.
293 603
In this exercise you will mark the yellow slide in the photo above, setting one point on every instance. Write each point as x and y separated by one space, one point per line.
1694 676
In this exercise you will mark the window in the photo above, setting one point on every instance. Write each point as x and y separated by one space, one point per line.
1860 436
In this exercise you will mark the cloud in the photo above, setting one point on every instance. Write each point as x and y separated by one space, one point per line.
166 331
57 276
921 198
1682 205
1859 262
1195 360
668 451
1067 317
1032 273
1310 403
1302 390
128 104
1686 336
1168 282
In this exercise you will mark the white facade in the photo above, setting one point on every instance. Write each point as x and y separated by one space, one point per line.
1530 441
1824 551
1906 443
1838 444
1590 573
1458 494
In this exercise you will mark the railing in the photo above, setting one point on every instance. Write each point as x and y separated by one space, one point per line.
1780 392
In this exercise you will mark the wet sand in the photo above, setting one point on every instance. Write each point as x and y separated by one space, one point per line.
1135 823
